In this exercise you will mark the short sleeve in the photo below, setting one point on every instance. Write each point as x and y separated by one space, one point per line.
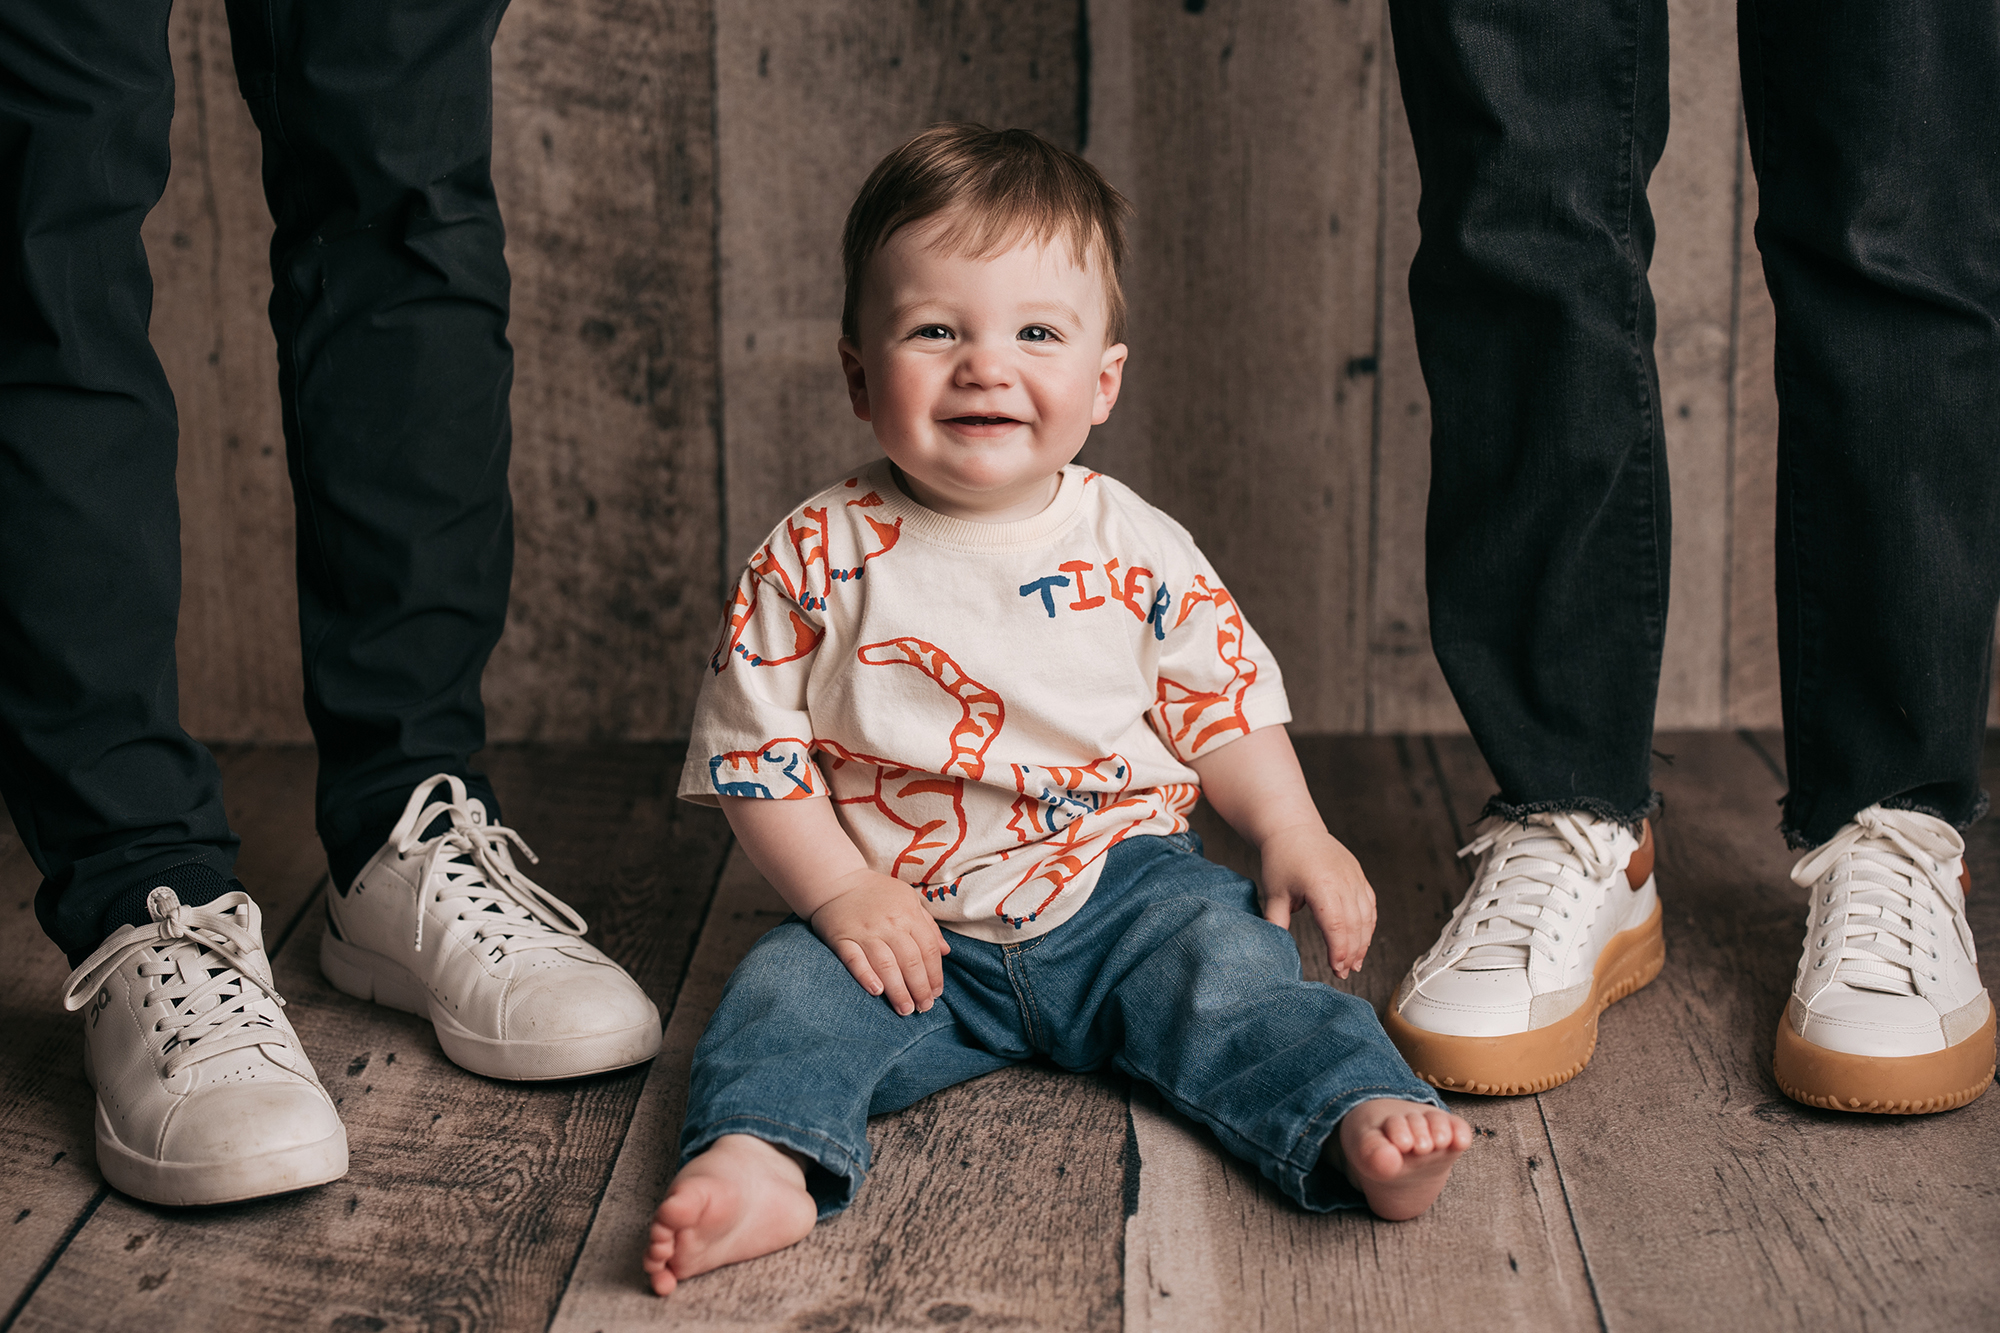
1217 681
752 735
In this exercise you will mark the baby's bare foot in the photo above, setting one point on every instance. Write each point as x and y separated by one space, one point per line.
740 1199
1398 1154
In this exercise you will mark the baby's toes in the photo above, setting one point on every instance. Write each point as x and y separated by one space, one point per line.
1381 1157
1450 1133
1417 1137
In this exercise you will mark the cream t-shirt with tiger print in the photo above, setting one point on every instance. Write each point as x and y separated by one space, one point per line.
991 707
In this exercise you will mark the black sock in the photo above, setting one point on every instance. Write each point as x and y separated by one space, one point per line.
194 883
345 861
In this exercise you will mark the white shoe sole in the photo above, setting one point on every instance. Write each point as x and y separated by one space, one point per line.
367 975
1541 1058
185 1184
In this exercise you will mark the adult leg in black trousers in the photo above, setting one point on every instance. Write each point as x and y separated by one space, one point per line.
203 1092
110 796
390 306
1535 129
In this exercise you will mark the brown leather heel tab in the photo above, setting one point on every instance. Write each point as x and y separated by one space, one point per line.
1964 878
1640 868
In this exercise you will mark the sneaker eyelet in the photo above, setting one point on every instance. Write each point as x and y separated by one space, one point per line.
1821 963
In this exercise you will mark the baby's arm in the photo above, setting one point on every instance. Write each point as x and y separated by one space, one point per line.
1256 785
873 922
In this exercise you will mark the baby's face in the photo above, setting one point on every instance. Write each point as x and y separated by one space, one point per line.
981 377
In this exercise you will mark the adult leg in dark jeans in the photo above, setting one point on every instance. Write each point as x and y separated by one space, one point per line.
1534 144
1879 225
1878 174
1536 126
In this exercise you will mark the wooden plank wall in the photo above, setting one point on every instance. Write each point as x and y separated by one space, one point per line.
674 177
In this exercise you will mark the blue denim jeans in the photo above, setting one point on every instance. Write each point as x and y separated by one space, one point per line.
1871 130
1168 973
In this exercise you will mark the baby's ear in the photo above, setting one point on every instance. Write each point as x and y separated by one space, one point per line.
857 377
1110 378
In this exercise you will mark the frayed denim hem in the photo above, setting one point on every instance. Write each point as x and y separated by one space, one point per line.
1796 839
1317 1185
832 1180
1596 809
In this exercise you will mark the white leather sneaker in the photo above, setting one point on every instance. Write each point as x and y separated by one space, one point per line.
448 927
1886 1013
203 1092
1562 919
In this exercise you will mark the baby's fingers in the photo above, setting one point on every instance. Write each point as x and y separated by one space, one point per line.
894 973
855 961
1348 925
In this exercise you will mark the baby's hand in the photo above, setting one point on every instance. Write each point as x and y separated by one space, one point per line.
881 933
1309 866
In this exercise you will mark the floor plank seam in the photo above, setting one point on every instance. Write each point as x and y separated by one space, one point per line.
298 917
56 1253
618 1154
1569 1205
700 928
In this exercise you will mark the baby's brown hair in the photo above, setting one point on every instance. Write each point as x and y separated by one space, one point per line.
1012 184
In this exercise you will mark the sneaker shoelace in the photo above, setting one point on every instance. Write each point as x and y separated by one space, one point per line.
210 1000
1896 877
469 872
1534 873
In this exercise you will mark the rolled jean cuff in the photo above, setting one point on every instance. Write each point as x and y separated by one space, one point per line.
1585 805
1320 1186
833 1177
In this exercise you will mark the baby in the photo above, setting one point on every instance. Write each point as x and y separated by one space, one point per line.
962 705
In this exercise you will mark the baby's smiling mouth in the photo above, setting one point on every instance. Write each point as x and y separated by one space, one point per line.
982 421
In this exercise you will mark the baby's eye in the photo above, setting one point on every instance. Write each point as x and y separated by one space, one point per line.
1037 333
932 331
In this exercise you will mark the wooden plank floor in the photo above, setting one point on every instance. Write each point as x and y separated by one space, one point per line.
1669 1187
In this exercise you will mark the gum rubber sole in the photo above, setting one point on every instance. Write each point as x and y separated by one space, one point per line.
1884 1084
1535 1061
367 975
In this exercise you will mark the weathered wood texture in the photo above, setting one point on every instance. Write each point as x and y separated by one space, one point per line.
604 159
1209 1230
208 243
1250 152
467 1199
674 179
959 1221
